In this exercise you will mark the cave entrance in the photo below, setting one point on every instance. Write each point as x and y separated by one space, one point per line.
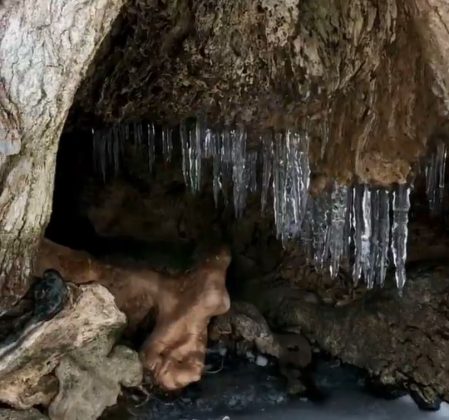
121 195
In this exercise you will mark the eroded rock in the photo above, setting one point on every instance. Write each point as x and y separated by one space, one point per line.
26 366
245 328
90 379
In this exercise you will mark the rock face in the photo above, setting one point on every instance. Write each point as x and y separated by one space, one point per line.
400 341
90 379
26 366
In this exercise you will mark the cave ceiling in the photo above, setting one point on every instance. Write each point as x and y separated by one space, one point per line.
352 74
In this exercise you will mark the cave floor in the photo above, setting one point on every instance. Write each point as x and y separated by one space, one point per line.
246 391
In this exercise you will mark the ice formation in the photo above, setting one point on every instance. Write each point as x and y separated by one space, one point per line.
435 175
399 232
107 148
267 166
291 177
151 140
239 171
344 225
167 143
336 234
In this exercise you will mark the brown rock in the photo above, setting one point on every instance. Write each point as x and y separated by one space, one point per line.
174 352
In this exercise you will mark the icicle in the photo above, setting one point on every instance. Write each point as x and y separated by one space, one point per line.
167 143
251 169
336 239
320 229
226 150
348 226
214 151
151 136
291 175
267 165
194 154
435 178
116 141
208 145
225 154
239 179
366 235
100 152
307 233
362 231
183 135
278 184
374 255
217 186
138 134
399 232
384 235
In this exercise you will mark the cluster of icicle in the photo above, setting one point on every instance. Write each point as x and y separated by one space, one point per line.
435 172
362 224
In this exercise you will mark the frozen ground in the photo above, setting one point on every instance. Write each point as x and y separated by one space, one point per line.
246 391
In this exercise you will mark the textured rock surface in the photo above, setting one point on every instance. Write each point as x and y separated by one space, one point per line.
26 366
355 69
32 414
54 42
90 379
399 341
183 305
244 329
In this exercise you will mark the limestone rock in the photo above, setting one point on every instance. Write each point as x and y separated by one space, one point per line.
90 379
26 365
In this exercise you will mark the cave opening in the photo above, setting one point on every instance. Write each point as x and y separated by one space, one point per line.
124 200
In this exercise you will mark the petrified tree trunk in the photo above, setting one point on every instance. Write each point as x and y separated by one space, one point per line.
45 48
